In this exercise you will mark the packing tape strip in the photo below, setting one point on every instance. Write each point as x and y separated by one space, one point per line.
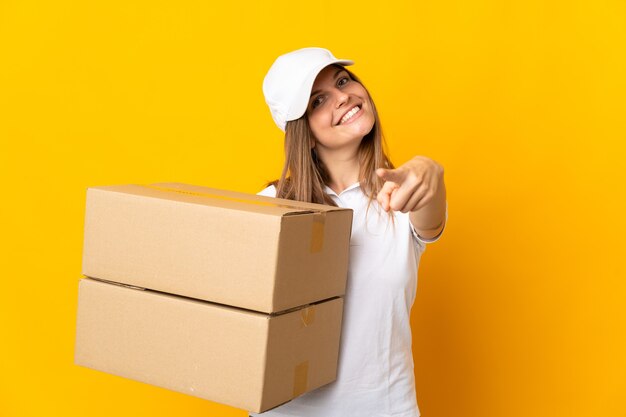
319 217
300 378
307 315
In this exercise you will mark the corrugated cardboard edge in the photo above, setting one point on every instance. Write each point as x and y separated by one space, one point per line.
290 207
300 205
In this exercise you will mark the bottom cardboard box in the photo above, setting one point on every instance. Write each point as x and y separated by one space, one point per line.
242 358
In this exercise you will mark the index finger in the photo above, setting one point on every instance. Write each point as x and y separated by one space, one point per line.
395 175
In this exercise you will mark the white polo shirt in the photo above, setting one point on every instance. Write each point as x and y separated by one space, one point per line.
375 374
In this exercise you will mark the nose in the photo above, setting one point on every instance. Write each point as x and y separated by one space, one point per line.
342 98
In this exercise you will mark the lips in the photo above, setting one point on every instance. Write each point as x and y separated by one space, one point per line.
349 114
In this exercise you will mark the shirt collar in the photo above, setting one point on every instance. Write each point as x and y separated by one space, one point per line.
330 191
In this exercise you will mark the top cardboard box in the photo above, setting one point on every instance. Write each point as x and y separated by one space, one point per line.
259 253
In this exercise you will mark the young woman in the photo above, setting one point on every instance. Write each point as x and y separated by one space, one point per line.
335 155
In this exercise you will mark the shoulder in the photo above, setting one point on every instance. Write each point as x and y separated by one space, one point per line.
269 191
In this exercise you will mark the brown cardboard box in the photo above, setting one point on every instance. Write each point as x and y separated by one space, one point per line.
232 248
237 357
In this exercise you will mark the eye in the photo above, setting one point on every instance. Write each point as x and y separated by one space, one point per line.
342 81
316 102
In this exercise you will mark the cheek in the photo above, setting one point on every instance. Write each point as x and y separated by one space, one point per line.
317 122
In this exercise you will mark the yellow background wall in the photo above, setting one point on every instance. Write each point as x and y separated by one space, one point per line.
520 307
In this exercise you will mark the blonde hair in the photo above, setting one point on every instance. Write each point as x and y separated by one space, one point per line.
304 175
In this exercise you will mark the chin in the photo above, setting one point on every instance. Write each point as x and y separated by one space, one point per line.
366 128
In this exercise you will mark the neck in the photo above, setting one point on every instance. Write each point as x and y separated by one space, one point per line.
342 166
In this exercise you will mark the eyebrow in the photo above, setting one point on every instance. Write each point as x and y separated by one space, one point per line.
334 77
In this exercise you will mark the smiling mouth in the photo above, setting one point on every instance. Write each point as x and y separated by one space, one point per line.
349 114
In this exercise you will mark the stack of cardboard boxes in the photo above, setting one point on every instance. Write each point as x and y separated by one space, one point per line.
226 296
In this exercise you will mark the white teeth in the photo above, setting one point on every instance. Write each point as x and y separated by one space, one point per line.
349 114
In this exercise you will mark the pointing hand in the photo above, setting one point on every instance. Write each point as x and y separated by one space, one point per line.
410 186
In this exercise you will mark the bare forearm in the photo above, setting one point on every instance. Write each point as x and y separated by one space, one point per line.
429 220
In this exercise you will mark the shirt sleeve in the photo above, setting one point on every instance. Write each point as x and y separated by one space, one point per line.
269 191
434 239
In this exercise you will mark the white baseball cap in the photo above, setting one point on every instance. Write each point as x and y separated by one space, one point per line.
287 85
